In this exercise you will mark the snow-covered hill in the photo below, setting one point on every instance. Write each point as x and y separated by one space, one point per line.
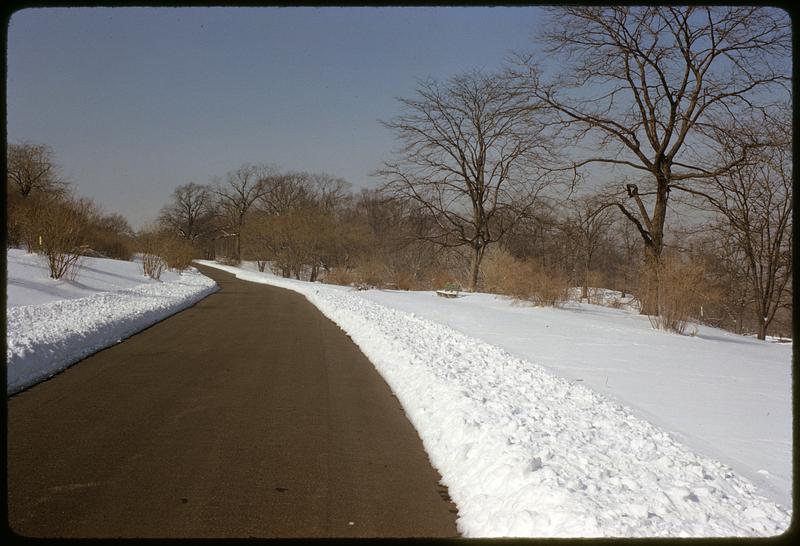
581 421
51 324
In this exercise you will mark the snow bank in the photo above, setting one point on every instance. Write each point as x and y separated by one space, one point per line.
45 338
526 453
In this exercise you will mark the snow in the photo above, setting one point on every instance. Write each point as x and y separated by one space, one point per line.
726 396
51 324
526 449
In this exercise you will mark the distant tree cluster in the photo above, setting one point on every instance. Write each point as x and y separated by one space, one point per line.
45 217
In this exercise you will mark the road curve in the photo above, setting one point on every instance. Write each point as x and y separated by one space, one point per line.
247 415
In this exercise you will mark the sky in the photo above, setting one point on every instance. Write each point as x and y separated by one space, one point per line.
137 101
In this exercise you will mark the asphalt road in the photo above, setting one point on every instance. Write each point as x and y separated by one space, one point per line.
247 415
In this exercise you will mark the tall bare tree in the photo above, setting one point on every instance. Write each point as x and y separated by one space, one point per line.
644 86
33 181
468 160
32 168
756 199
190 212
242 188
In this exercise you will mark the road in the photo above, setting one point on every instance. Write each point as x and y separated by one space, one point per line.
249 414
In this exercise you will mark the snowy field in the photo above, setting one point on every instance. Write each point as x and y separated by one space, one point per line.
51 324
563 423
723 395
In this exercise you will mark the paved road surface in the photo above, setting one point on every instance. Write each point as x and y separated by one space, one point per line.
249 414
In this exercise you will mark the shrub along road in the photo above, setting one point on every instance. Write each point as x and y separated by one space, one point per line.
249 414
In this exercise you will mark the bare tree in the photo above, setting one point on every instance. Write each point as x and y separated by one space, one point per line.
300 225
588 223
243 187
331 192
629 243
190 213
468 160
756 199
731 303
301 190
284 193
31 168
394 239
645 86
32 181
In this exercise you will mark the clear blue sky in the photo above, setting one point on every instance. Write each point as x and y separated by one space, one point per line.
136 101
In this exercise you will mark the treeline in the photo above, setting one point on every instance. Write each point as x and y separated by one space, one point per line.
314 227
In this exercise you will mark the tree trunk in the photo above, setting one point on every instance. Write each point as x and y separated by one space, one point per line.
654 246
650 288
238 256
761 318
762 328
585 287
477 254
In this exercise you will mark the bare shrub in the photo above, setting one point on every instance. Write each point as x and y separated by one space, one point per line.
371 272
366 273
523 280
502 273
113 246
403 280
161 250
59 231
153 265
341 276
680 286
442 277
151 247
111 236
548 287
595 293
177 252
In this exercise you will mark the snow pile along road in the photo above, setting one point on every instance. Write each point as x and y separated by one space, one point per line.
526 453
44 339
